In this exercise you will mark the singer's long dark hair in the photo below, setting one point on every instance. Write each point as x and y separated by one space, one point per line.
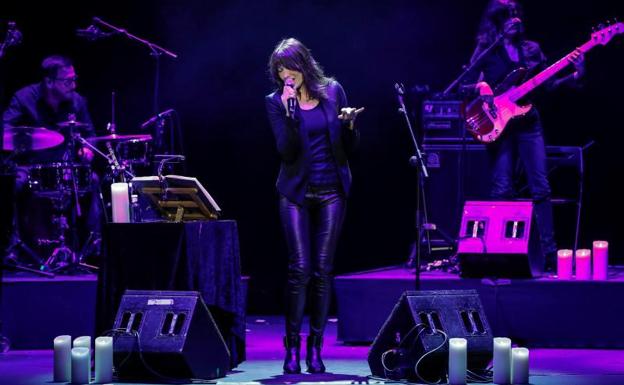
292 54
494 16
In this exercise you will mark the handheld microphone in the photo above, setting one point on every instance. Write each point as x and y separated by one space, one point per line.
154 118
292 102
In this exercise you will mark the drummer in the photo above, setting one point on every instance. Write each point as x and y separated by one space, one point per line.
46 104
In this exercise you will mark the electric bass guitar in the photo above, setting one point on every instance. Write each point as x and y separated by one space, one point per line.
486 120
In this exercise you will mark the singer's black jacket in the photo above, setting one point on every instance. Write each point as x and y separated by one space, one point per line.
294 147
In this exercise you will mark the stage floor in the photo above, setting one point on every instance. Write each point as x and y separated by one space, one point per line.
346 364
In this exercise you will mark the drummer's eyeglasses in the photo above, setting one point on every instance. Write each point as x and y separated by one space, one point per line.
68 81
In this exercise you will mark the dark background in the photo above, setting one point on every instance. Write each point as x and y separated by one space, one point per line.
218 82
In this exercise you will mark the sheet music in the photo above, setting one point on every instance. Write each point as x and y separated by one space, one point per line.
179 181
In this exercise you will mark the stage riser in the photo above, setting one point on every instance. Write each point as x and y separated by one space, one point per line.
35 311
544 312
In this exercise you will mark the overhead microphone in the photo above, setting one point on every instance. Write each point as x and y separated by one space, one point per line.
292 102
400 89
92 33
154 118
169 156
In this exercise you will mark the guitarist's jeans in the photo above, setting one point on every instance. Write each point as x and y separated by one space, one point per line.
524 139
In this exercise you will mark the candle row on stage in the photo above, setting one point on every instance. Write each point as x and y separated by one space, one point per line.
590 264
510 365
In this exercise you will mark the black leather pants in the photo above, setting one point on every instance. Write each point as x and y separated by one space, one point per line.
312 232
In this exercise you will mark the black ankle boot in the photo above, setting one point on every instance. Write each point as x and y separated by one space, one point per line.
291 362
313 358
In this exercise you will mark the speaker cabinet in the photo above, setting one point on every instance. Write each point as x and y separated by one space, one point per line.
167 334
417 331
457 173
497 238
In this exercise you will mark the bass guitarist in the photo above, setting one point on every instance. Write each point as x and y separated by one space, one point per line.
523 137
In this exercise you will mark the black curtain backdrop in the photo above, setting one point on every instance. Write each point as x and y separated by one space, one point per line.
219 80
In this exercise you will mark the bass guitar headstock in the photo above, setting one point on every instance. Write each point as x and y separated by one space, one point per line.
603 34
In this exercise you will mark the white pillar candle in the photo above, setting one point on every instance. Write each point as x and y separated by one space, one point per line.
120 202
62 359
80 365
519 366
458 356
583 264
84 342
502 360
564 264
103 359
601 259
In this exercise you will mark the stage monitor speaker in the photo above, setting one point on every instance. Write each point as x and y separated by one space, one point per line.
416 334
167 335
498 239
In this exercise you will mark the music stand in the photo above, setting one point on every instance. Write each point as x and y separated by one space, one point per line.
177 198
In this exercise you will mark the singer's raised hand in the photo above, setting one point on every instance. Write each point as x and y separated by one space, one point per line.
349 113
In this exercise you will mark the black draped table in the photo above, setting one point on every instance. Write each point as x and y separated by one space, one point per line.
201 256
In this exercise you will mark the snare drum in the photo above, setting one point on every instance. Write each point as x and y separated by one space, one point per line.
134 152
57 178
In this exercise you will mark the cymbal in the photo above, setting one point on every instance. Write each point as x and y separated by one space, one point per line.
72 123
120 138
30 138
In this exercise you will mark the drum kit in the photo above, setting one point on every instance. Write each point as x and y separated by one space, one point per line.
63 183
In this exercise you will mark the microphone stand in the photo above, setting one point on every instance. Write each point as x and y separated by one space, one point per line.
156 52
470 67
416 161
72 160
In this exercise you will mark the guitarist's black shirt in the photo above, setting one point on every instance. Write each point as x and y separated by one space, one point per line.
495 67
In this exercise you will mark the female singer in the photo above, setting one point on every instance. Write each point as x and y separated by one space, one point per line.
314 133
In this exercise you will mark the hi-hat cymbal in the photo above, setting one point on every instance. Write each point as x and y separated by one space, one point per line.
120 138
72 123
30 138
